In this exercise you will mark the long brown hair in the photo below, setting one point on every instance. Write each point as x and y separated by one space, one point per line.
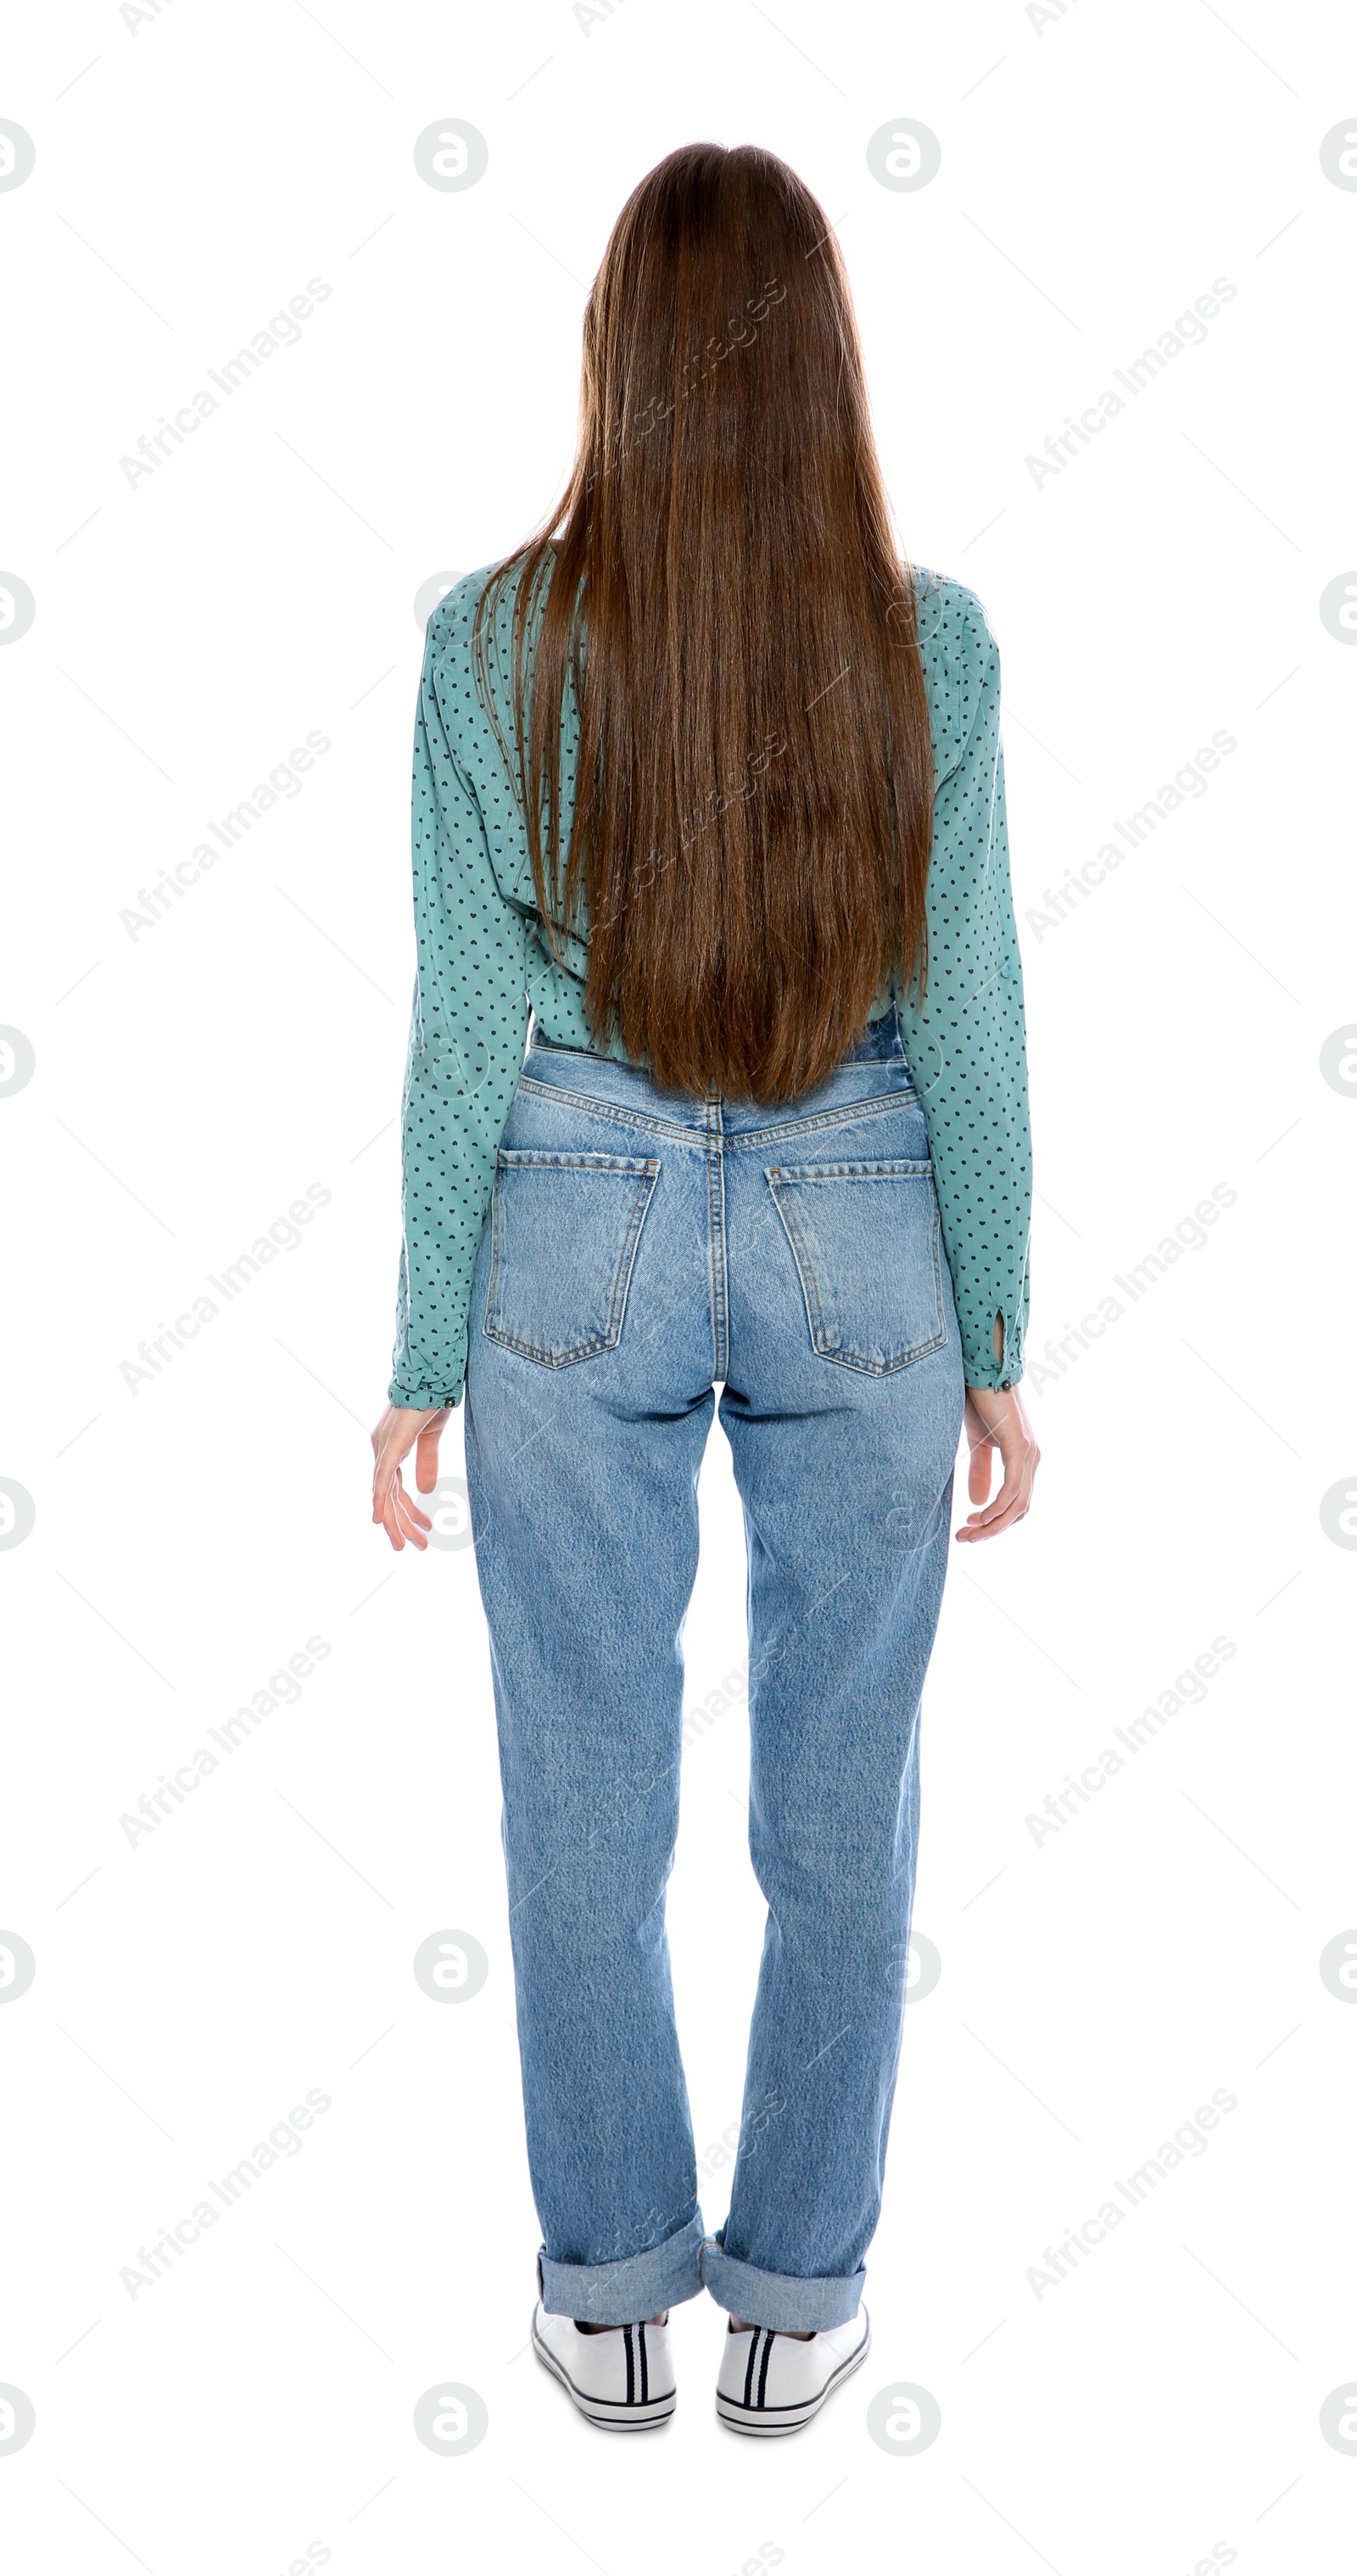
753 802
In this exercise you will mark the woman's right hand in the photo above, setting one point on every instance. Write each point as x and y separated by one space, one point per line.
399 1431
996 1422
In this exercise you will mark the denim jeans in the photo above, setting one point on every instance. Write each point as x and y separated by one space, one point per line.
641 1248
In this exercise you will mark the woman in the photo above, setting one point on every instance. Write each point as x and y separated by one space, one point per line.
712 782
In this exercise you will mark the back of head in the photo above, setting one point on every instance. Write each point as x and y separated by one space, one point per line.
720 587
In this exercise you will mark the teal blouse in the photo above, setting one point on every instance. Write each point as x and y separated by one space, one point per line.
482 959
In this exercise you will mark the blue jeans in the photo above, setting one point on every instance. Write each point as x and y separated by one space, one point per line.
642 1246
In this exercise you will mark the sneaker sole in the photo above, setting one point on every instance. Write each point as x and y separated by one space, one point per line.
615 2417
770 2421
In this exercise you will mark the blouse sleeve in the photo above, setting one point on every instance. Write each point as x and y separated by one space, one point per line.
467 1032
965 1042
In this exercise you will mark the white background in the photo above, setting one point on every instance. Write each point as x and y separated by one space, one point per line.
1099 171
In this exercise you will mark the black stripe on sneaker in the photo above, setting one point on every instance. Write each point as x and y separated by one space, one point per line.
802 2407
645 2364
749 2368
631 2366
763 2367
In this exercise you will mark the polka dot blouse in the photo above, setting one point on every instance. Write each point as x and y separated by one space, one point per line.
482 961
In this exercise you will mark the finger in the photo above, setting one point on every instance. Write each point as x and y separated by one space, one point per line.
1010 1491
386 1509
412 1521
406 1516
426 1461
1010 1504
978 1474
1018 1469
387 1516
385 1474
968 1537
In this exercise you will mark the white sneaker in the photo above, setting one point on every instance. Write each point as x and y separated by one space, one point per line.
774 2383
623 2377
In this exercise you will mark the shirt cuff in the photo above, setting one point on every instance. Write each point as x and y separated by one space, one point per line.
418 1399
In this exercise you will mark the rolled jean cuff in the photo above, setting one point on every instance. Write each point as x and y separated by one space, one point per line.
621 2294
778 2299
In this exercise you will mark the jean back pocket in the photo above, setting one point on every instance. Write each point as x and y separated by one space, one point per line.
867 1246
564 1230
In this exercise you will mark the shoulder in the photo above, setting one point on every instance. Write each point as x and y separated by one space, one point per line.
449 629
468 662
960 661
469 645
